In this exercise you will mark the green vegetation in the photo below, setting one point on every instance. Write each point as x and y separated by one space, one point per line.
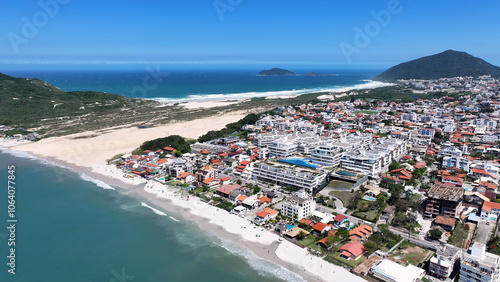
310 239
446 64
383 240
339 184
494 245
116 157
175 141
344 196
435 234
230 128
459 236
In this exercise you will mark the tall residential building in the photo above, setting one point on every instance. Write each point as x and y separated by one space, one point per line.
283 174
444 200
442 263
298 205
282 148
327 155
479 266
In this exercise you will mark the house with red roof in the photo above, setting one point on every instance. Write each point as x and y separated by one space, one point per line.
339 220
185 177
169 149
211 182
225 180
264 215
360 233
476 172
225 189
452 180
321 227
490 211
353 250
264 200
401 174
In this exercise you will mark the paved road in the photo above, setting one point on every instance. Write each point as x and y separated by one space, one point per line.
421 242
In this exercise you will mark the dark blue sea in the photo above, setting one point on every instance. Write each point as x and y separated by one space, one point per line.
184 85
73 228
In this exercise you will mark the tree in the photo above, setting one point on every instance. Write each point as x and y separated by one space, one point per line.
238 181
343 233
394 166
435 234
301 235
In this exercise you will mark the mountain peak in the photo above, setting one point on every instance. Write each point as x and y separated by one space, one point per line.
449 63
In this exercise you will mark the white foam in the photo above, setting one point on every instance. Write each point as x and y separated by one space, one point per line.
263 266
174 219
154 210
99 183
237 96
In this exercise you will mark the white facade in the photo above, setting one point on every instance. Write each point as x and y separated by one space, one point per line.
298 206
327 155
285 175
479 266
282 148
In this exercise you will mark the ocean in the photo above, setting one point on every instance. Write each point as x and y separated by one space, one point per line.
183 85
73 228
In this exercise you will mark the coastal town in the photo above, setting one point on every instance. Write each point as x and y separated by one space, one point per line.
394 191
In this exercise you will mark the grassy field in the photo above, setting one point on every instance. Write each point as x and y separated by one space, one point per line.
307 240
371 215
350 262
344 196
340 184
459 236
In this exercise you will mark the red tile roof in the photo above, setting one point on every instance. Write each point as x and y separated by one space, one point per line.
320 226
339 217
487 206
353 248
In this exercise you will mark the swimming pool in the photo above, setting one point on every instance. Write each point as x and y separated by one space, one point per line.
161 178
289 226
299 162
369 198
346 173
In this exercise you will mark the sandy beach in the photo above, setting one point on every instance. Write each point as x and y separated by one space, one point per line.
213 221
86 153
94 148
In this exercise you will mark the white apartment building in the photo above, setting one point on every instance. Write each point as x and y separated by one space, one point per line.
327 155
368 162
264 139
479 266
282 148
298 205
449 152
442 263
284 174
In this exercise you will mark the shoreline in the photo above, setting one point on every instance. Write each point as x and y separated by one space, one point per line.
217 223
220 100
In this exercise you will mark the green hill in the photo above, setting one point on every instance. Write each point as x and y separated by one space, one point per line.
26 101
446 64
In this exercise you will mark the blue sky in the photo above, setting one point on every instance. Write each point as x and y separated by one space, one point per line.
243 32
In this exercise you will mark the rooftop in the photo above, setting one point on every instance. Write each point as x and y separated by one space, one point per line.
445 192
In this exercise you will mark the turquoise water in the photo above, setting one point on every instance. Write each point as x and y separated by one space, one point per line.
179 86
369 198
299 162
70 229
346 173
